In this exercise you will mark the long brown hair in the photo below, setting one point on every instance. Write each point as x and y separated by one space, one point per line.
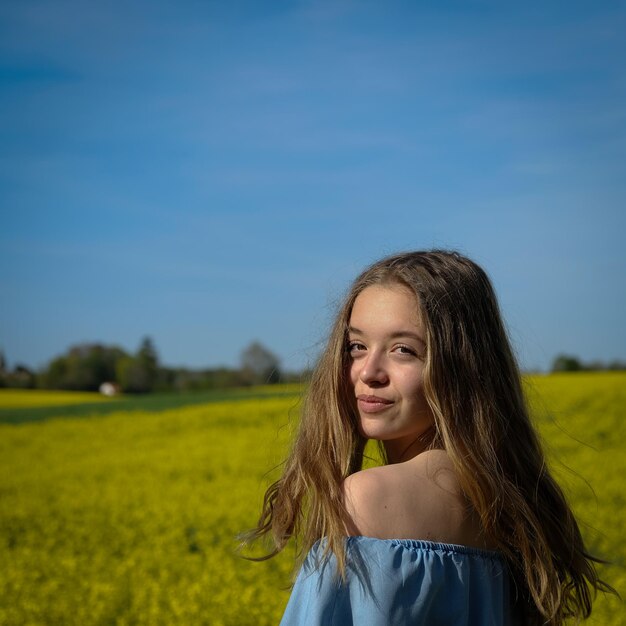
472 384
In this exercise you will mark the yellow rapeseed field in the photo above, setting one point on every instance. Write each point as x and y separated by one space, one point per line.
28 398
131 517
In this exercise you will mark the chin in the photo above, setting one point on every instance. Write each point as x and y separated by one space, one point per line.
374 431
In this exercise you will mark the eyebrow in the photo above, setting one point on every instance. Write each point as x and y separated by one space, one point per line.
395 335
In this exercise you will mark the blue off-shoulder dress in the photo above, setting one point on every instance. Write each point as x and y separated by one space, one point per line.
400 582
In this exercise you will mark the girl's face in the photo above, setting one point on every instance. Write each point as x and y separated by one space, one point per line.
387 347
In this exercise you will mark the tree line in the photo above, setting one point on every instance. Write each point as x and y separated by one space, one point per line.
570 363
85 367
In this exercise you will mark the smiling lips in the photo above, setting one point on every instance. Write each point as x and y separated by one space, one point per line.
372 404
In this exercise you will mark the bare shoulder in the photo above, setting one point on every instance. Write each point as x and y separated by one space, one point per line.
432 469
368 483
366 495
419 499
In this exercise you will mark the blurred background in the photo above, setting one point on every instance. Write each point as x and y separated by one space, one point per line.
207 175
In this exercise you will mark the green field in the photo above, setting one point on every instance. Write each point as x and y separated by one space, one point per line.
126 511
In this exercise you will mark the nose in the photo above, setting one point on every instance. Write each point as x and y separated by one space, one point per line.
373 372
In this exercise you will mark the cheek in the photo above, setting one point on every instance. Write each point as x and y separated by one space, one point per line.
353 373
412 387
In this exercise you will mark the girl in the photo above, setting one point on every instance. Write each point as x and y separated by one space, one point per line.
463 524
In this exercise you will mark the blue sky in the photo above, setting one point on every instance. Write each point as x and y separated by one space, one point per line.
210 173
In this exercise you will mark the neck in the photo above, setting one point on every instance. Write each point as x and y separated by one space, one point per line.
398 451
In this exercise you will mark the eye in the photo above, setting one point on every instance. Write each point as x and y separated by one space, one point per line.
355 346
402 349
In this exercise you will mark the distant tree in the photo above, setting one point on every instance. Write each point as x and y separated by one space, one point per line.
131 376
3 369
83 368
54 376
566 363
21 377
617 365
302 376
139 374
224 377
259 365
183 379
594 366
147 353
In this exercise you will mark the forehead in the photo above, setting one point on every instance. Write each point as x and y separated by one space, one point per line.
386 306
